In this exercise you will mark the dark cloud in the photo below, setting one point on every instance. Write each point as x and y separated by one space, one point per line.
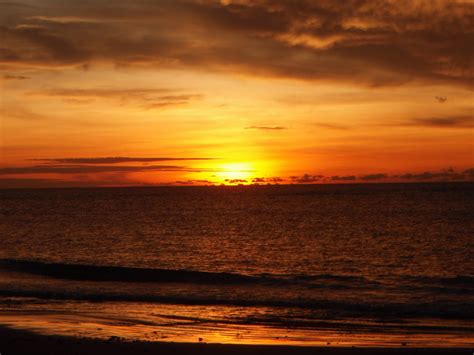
267 128
343 178
32 44
379 176
19 183
112 160
442 122
443 175
306 178
14 183
101 92
441 99
147 98
92 169
15 77
369 42
171 100
15 4
267 180
187 182
469 172
332 126
74 181
236 181
193 182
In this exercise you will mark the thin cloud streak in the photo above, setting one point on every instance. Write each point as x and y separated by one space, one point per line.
94 169
147 98
334 126
379 176
440 122
113 160
267 128
15 77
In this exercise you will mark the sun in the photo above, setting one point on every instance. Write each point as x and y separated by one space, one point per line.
238 172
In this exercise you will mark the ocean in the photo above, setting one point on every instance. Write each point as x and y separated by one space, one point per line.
361 264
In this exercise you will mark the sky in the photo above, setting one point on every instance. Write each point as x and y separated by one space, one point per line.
116 93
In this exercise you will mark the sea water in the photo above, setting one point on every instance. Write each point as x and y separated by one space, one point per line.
362 264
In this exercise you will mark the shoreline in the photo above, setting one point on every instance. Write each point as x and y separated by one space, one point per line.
14 341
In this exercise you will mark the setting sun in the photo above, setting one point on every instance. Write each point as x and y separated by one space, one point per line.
232 173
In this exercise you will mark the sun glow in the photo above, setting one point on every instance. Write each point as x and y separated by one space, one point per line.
232 173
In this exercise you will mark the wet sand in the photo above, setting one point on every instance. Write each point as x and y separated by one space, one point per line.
13 342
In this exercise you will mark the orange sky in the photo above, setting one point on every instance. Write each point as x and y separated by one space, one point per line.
210 92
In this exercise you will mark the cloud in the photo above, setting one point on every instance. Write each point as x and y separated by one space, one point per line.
332 126
101 92
306 178
18 183
15 77
147 98
267 128
469 173
379 176
92 169
267 180
193 182
15 4
441 99
343 178
443 175
64 19
442 122
21 113
15 183
31 44
187 182
236 181
171 100
366 42
112 160
110 175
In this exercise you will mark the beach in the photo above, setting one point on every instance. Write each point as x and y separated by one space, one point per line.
13 342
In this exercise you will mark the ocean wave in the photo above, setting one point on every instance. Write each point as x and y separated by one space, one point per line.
320 307
124 274
83 272
87 272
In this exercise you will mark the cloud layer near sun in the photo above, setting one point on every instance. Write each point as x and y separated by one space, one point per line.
337 88
115 175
